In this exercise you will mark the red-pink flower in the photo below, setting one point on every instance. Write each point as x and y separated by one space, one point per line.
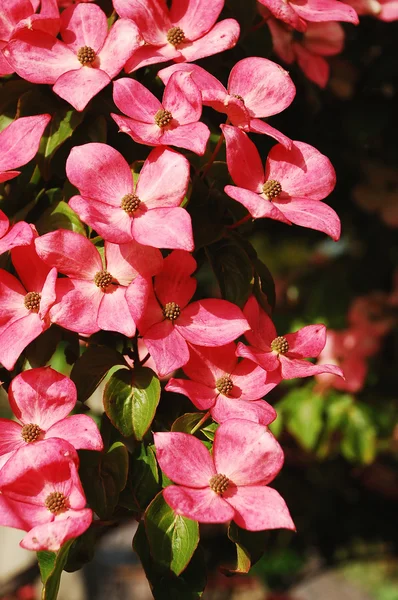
319 40
167 322
120 210
20 234
84 62
385 10
41 399
256 88
24 307
297 12
92 296
174 121
291 187
230 484
19 143
286 353
228 388
40 492
188 31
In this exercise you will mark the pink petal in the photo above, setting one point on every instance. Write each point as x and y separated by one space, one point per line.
142 133
51 536
184 459
149 55
15 338
10 437
211 322
293 367
308 342
210 88
19 514
206 365
12 296
111 223
201 505
257 411
285 12
192 136
114 314
266 88
151 16
326 39
223 36
258 206
164 179
77 306
79 86
164 228
5 67
39 57
259 126
243 160
302 171
135 100
31 269
100 173
79 430
174 283
202 396
8 175
195 17
312 214
71 253
250 381
48 294
84 25
19 142
182 98
11 13
389 11
42 396
20 234
314 67
4 224
122 41
262 328
246 452
326 10
126 261
167 347
259 507
266 359
143 305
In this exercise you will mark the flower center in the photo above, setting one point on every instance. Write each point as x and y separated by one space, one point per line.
219 483
175 36
130 203
280 345
86 55
163 117
30 432
103 279
224 385
272 188
171 311
32 301
56 502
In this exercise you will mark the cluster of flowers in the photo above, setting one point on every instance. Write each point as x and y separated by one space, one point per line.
130 285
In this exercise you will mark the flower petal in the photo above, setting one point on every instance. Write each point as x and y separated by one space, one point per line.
150 15
122 41
210 88
250 381
195 17
174 283
326 10
295 367
142 133
143 305
243 160
135 100
182 98
114 314
202 396
266 359
192 136
258 411
51 536
10 437
202 505
258 206
77 306
126 261
79 430
206 365
164 228
308 342
79 86
20 234
19 142
312 214
111 223
258 508
15 338
262 328
223 36
259 126
84 25
167 347
150 55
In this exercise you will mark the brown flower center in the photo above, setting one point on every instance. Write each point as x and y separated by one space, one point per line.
56 502
32 301
130 203
86 55
103 279
219 483
30 432
272 188
171 311
224 385
163 117
280 345
175 36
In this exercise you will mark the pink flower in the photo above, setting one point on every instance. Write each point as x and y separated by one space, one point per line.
119 210
24 308
42 399
319 40
40 492
20 234
291 188
19 143
174 121
297 12
257 88
84 62
228 388
285 353
188 31
385 10
92 297
167 322
231 483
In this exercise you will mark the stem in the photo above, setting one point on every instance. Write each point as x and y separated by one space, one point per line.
240 222
200 423
213 156
143 361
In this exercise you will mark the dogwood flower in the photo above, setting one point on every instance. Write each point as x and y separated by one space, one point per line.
167 322
188 31
119 210
40 492
291 187
83 63
20 234
42 399
385 10
286 353
217 382
230 484
297 12
174 121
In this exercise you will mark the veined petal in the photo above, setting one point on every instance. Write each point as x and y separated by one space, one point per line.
143 305
326 10
163 179
10 438
19 142
202 396
258 508
135 100
223 36
79 86
243 160
11 14
267 360
31 269
210 88
308 342
312 214
150 55
174 283
126 261
206 365
259 126
167 347
79 430
51 536
20 234
262 328
15 338
142 133
258 411
195 17
250 381
164 228
202 505
12 295
182 98
150 15
258 206
84 25
114 314
111 223
48 293
295 367
192 136
77 306
122 41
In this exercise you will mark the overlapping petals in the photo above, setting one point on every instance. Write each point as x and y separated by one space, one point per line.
297 12
20 234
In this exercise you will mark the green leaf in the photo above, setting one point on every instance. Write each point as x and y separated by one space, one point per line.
172 538
51 565
359 436
210 430
187 422
250 546
337 407
81 551
233 270
63 124
143 481
59 215
131 397
304 420
90 369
